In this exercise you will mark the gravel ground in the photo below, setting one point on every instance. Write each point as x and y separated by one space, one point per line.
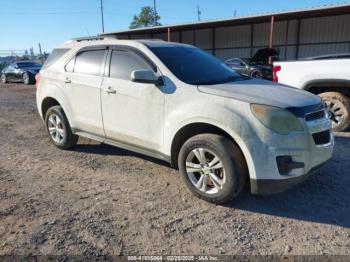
100 200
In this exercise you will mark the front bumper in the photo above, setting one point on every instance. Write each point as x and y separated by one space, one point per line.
273 186
306 152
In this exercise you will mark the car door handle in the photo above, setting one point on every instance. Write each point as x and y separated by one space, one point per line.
109 90
68 81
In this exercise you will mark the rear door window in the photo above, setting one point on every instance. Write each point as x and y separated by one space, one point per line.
89 62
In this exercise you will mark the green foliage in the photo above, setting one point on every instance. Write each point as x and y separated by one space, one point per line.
145 18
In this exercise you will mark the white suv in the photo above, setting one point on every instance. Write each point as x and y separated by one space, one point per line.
178 103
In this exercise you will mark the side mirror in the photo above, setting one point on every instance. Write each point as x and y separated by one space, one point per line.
16 67
146 76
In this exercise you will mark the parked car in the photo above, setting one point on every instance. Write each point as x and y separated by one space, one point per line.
326 76
217 127
256 67
23 71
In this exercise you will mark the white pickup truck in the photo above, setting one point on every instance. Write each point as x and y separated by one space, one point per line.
328 77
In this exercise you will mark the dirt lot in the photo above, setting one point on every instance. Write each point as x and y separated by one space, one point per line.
98 200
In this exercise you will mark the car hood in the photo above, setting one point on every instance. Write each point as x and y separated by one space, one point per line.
263 92
262 55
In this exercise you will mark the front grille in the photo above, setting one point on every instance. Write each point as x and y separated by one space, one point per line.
322 138
315 115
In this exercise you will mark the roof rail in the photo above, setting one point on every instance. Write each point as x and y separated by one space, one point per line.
93 38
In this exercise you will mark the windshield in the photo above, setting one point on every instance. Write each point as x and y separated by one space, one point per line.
28 65
194 66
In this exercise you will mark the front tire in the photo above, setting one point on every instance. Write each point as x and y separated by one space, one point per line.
58 128
213 168
3 79
27 79
338 106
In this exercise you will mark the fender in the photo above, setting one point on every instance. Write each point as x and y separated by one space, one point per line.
224 119
54 91
327 82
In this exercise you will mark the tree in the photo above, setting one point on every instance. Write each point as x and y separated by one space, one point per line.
147 17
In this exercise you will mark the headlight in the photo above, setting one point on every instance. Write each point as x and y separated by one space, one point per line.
279 120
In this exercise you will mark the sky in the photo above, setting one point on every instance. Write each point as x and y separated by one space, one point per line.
25 23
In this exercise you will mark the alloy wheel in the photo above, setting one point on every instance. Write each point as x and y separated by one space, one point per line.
335 111
205 170
56 128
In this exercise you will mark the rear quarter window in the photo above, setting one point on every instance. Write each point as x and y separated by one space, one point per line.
55 55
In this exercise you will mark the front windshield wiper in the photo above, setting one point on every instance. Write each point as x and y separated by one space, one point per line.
219 81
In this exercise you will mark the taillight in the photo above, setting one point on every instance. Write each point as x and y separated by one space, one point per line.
37 79
276 69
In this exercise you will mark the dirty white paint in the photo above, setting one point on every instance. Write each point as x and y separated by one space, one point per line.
149 117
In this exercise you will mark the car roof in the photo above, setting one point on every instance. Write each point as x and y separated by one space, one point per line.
159 43
85 42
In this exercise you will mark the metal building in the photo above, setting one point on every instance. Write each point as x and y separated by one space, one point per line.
296 34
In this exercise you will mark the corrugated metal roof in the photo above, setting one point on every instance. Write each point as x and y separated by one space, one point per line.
331 9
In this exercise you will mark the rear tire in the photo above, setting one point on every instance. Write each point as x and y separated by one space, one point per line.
222 174
59 129
338 105
256 74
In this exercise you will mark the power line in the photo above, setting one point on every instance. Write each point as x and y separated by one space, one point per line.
49 13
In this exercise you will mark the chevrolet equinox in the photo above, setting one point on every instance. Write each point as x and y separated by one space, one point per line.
180 104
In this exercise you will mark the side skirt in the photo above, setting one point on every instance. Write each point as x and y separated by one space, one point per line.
126 146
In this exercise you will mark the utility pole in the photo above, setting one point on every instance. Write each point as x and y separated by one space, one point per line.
41 54
155 13
235 13
102 18
199 13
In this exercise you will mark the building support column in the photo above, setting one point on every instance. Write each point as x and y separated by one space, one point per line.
298 39
272 25
286 41
194 36
213 44
169 35
251 40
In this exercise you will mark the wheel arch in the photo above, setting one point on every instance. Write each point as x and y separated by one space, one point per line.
47 103
255 70
328 85
195 128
